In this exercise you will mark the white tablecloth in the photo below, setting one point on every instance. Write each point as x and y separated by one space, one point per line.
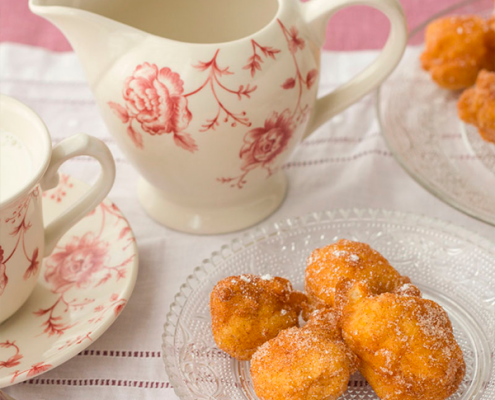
344 164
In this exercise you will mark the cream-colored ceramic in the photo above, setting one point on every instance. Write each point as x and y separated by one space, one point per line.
73 302
24 239
208 98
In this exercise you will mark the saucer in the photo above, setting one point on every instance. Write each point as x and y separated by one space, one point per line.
83 286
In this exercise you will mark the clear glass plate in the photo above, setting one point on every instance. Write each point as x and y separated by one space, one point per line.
451 265
420 125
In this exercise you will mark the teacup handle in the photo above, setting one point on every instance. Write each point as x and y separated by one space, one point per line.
317 14
78 145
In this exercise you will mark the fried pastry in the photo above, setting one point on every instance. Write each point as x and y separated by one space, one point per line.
352 260
405 344
491 34
457 49
311 363
477 105
248 310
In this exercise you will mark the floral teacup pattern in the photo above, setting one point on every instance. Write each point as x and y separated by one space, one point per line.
83 285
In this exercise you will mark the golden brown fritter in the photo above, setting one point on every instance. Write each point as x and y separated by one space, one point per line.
491 34
311 363
477 105
325 322
351 260
457 49
405 344
248 310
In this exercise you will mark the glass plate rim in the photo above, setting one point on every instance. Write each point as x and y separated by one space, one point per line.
441 194
269 230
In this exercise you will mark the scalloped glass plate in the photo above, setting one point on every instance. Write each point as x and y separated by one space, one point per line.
451 265
420 125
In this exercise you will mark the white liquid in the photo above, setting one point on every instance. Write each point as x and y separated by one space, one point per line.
16 166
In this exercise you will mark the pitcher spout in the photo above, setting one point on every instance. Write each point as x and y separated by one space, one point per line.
97 40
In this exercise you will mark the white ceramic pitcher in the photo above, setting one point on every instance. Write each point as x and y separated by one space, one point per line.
208 98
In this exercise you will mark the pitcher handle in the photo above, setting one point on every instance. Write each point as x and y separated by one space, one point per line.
79 145
316 14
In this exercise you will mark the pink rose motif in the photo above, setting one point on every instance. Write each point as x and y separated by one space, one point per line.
3 274
154 98
77 263
263 145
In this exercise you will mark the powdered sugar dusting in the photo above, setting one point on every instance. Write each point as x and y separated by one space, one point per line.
387 356
247 310
352 260
408 290
433 321
305 362
411 332
348 256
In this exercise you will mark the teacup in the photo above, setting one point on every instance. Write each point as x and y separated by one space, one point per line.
208 99
29 166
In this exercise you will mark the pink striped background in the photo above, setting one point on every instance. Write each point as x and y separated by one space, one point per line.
355 28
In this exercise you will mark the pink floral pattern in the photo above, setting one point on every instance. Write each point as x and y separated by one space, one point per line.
294 41
35 369
81 263
77 340
19 225
213 80
254 62
60 191
154 98
76 263
3 273
87 277
311 78
33 266
13 360
262 145
115 303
